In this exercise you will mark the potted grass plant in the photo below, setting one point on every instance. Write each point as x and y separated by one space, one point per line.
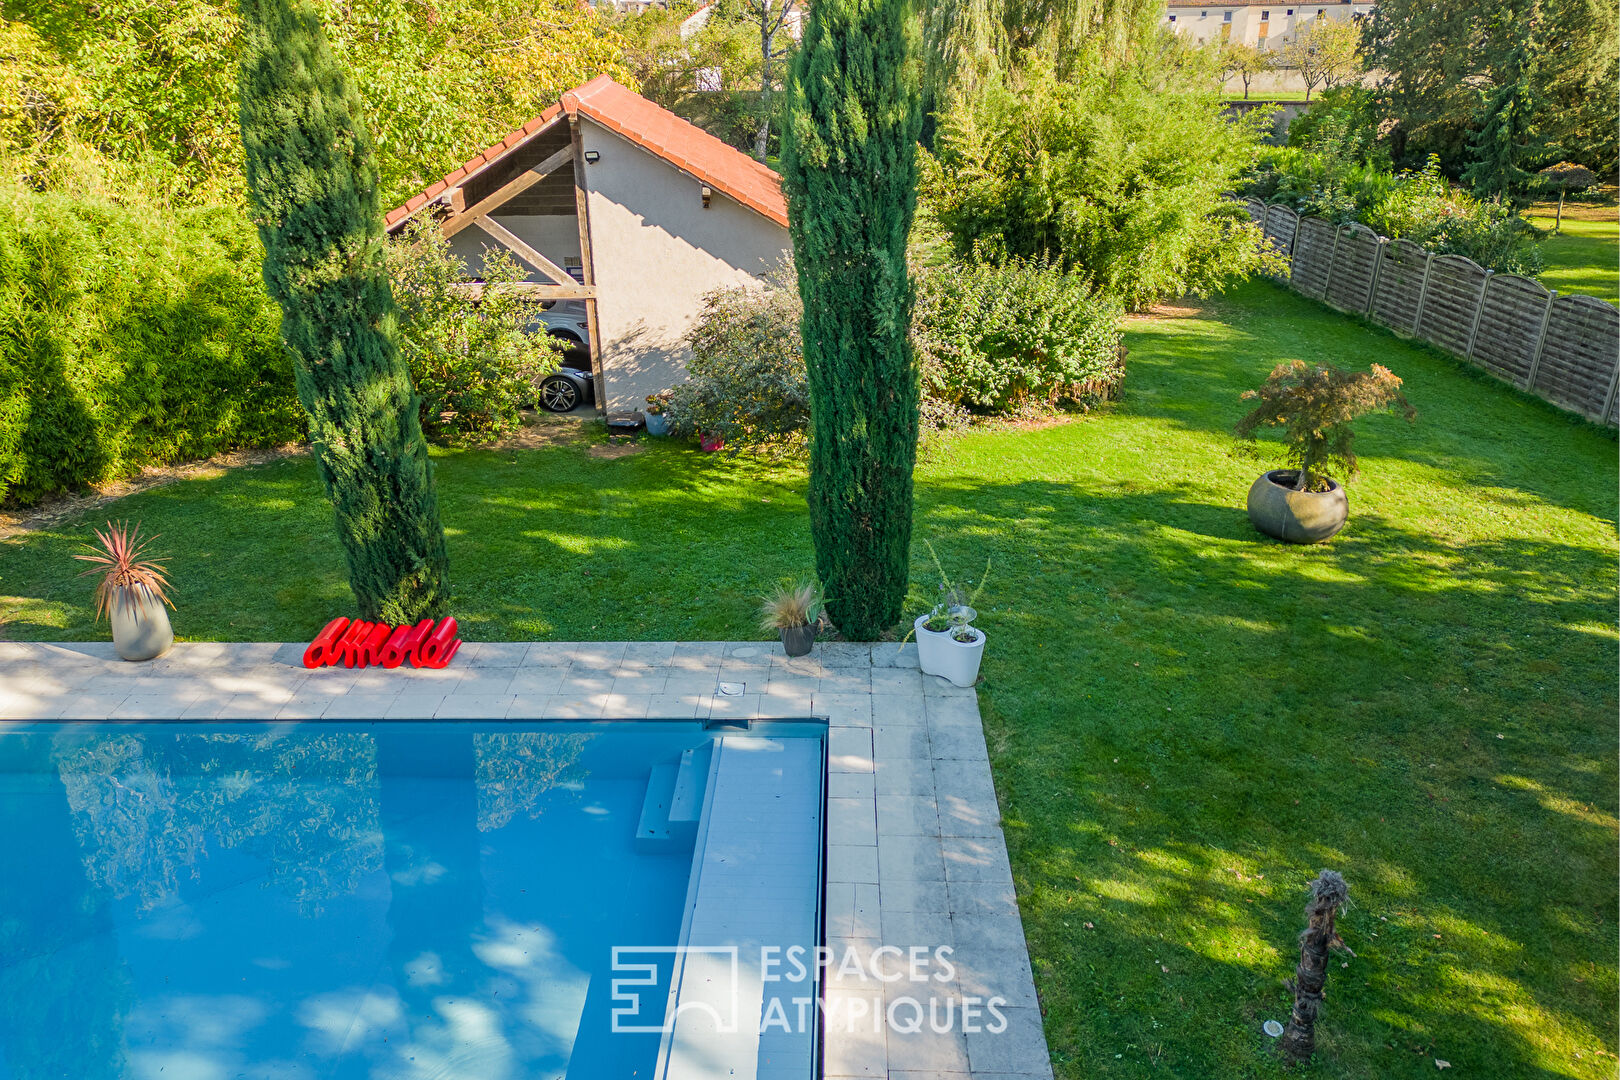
1314 406
948 644
794 611
131 593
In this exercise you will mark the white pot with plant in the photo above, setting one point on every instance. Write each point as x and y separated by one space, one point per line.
948 645
794 611
132 592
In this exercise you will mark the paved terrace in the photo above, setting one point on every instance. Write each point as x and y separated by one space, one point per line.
915 851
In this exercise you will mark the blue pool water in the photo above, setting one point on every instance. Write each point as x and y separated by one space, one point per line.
410 900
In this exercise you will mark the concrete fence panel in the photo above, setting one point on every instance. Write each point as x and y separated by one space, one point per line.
1313 257
1355 261
1511 320
1257 210
1579 356
1398 292
1450 302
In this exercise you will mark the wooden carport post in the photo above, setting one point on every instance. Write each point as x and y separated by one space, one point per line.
582 216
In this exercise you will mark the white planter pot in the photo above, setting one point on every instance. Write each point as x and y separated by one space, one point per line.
140 625
938 653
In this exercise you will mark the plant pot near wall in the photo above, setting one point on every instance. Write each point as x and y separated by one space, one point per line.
938 653
140 625
797 640
1296 517
657 423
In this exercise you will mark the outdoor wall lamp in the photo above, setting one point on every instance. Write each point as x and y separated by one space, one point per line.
592 157
707 195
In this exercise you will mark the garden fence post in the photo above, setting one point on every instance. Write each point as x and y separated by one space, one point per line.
1423 294
1479 310
1293 238
1327 279
1608 398
1378 266
1541 341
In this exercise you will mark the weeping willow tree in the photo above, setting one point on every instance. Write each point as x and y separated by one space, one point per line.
967 41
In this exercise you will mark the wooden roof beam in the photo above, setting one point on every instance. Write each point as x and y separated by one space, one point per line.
513 188
523 251
527 290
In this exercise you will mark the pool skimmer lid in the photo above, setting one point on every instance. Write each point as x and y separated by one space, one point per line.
731 689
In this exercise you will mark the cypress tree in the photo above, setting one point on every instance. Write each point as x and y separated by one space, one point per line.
312 182
849 158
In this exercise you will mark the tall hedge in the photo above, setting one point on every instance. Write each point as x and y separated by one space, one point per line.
132 337
312 182
849 158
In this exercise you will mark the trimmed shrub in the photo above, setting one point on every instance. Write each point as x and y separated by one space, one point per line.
993 340
999 339
474 362
133 338
747 382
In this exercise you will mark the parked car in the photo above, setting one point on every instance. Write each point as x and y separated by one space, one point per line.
570 384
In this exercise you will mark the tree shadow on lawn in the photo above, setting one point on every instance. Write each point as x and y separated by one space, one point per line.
543 544
1368 678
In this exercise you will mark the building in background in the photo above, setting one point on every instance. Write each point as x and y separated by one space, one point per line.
1265 26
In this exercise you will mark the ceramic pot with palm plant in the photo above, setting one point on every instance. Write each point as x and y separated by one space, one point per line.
131 593
1314 406
794 612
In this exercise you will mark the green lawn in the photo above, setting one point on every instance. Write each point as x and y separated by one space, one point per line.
1584 257
1186 721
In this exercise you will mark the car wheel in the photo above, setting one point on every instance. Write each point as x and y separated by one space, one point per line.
558 394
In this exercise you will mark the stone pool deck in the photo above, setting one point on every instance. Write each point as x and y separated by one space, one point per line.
915 852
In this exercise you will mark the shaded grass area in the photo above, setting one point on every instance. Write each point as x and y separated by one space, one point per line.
1584 256
1186 722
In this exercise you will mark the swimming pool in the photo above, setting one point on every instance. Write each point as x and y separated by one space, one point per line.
389 900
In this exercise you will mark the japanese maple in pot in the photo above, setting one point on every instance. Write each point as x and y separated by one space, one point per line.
1314 406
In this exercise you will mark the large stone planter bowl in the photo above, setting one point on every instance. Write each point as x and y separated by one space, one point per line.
1296 517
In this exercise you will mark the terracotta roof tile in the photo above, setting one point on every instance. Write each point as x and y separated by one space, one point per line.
657 130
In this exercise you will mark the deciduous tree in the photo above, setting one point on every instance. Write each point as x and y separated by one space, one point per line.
1436 58
1326 52
1246 62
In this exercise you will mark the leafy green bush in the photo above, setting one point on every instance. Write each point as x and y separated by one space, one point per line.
1331 173
746 378
995 339
133 338
1112 179
474 361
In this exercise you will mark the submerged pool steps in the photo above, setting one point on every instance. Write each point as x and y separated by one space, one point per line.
674 802
755 885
